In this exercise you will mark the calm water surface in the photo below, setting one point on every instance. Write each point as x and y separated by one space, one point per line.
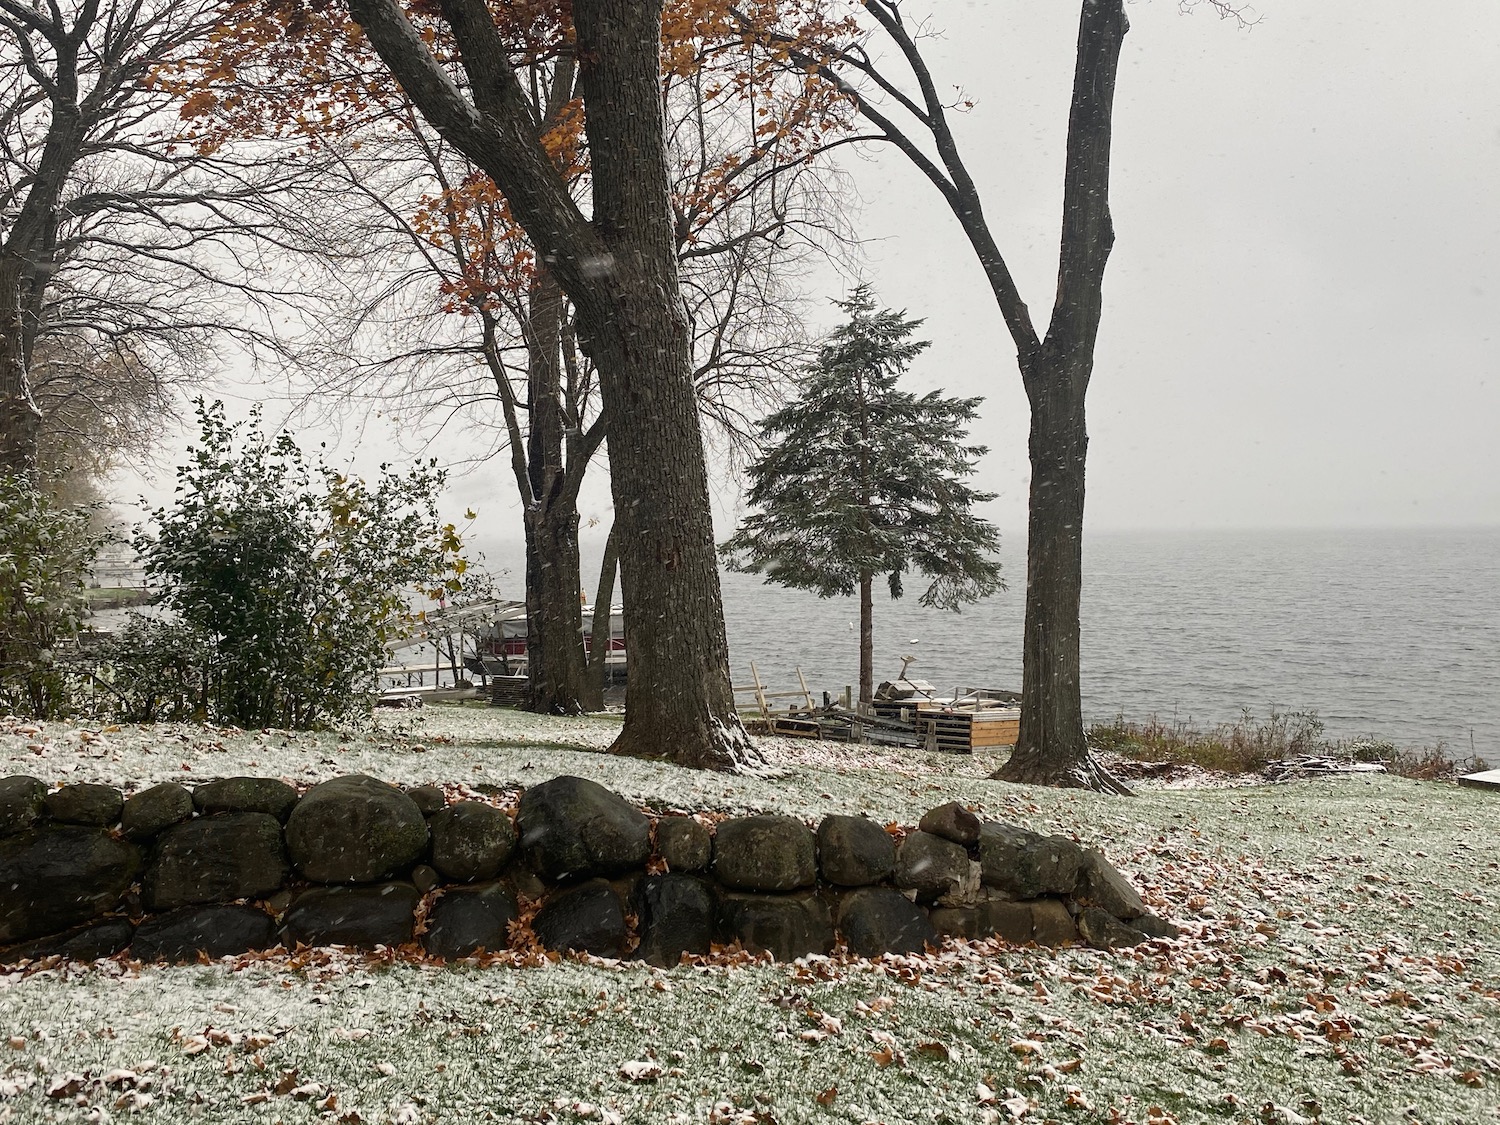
1391 633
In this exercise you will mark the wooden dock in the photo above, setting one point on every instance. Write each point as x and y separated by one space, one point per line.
1489 779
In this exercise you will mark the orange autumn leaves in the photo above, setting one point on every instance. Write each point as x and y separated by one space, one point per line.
301 71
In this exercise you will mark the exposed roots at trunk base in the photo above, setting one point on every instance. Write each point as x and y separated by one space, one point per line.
1087 773
718 746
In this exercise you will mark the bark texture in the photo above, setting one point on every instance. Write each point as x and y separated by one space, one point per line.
1051 748
554 617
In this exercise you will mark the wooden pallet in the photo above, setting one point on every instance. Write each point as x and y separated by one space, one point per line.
962 731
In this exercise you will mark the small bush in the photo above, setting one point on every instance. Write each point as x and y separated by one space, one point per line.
284 582
46 550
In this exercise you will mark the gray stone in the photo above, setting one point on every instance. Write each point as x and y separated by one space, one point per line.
469 919
152 810
931 866
424 878
588 918
785 926
1103 930
1154 927
246 794
1051 924
430 799
86 943
876 920
209 931
57 877
471 840
959 921
765 853
952 822
685 844
1009 921
22 799
572 828
854 851
363 917
1104 886
677 915
355 829
86 803
1027 863
215 859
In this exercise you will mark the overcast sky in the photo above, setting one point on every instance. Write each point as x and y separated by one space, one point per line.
1301 311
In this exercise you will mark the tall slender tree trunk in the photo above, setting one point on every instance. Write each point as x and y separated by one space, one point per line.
554 617
20 420
599 639
1051 748
680 703
866 638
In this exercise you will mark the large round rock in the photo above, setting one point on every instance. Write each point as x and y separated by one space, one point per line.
86 803
876 920
765 853
355 829
931 866
471 840
467 920
785 926
574 828
59 877
154 809
854 851
215 859
246 794
586 919
86 943
213 931
22 799
363 917
677 916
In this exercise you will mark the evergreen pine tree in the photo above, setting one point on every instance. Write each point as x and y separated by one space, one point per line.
857 478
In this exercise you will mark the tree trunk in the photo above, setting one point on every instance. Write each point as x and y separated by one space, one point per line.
20 420
1051 748
866 638
620 270
680 704
554 618
599 638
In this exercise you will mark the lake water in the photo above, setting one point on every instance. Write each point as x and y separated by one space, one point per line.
1390 633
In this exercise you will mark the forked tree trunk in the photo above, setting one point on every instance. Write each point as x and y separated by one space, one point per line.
680 704
620 270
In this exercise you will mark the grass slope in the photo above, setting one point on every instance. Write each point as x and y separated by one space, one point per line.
1341 963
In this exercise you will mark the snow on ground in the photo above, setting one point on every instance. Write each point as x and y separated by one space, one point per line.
1341 964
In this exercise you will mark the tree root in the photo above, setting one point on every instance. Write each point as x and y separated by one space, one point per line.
1089 773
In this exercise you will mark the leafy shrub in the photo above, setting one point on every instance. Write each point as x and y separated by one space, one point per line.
46 550
285 583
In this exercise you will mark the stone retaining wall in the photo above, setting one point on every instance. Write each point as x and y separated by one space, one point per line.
246 863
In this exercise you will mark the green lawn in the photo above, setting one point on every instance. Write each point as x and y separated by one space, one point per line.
1341 963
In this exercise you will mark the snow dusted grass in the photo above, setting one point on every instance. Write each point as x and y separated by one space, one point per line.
1341 963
